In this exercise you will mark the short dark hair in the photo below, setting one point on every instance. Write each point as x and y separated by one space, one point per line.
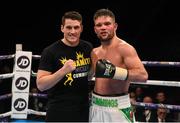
104 12
71 15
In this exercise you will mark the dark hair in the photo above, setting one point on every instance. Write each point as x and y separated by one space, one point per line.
72 15
104 12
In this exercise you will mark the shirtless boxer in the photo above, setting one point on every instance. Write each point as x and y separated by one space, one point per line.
115 64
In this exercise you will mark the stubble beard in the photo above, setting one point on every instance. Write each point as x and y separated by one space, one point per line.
107 39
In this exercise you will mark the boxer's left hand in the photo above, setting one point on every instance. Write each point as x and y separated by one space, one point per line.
105 69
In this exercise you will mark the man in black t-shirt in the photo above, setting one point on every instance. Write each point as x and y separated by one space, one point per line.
63 72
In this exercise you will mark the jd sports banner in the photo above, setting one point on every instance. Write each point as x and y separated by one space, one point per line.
20 84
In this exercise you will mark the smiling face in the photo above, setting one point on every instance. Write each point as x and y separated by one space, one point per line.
72 30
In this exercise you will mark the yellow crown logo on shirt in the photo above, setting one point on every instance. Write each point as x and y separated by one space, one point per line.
63 60
69 75
79 55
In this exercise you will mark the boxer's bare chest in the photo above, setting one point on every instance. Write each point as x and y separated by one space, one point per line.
113 55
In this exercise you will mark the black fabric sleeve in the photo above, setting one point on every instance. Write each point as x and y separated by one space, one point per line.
46 61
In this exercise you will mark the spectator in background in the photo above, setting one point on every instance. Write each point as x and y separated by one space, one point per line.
146 114
133 101
139 94
162 115
161 97
132 97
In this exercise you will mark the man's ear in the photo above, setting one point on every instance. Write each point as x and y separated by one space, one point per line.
116 25
81 28
94 29
62 28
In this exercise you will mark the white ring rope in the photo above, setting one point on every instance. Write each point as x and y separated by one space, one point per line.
36 56
2 57
7 75
33 74
159 83
149 82
5 114
7 56
30 111
155 82
10 75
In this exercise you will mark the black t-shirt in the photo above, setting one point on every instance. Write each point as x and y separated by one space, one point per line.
71 92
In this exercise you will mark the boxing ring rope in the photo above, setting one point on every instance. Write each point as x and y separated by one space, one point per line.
159 82
139 104
5 96
161 63
149 82
7 57
155 106
30 111
7 75
3 57
33 74
172 107
146 63
5 114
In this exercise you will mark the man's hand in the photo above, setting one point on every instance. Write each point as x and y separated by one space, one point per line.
105 69
69 66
